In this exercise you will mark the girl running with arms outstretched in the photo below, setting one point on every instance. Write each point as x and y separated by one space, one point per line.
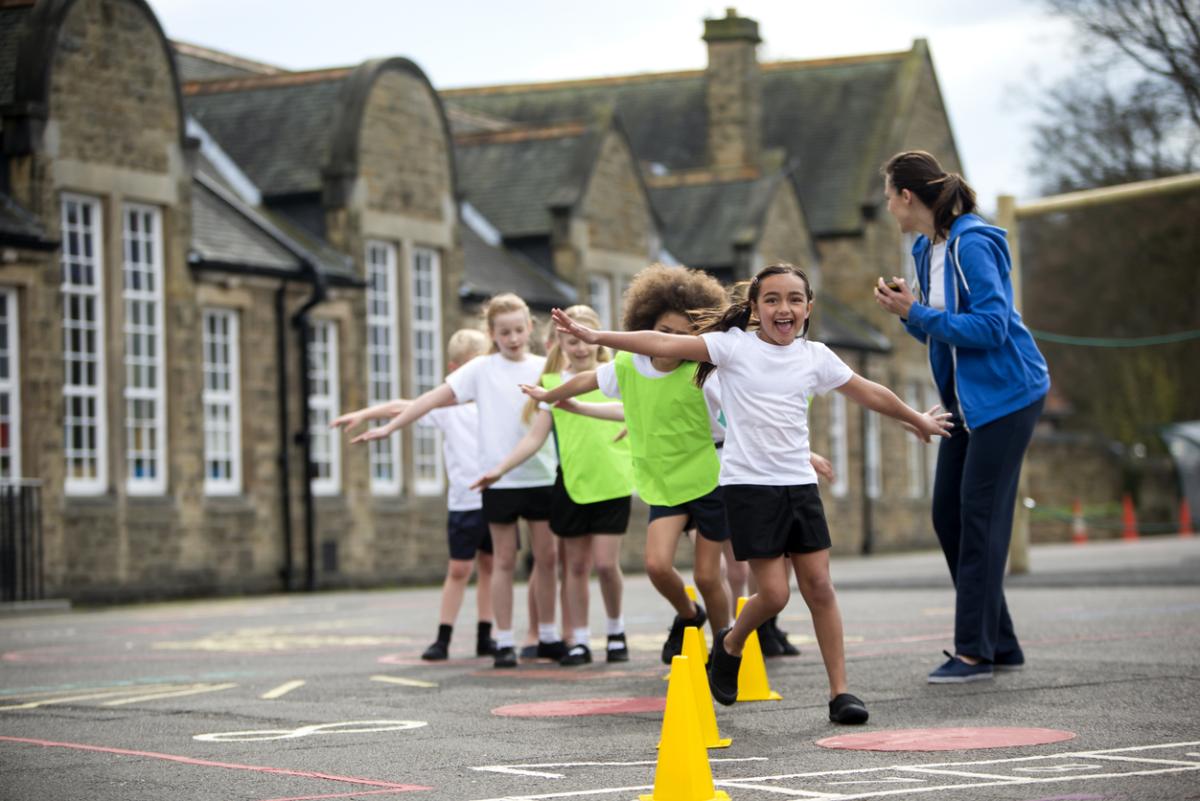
774 509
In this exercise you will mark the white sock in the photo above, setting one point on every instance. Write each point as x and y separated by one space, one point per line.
547 632
504 638
616 625
583 636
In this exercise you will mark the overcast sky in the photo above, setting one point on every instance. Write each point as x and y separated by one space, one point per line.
988 55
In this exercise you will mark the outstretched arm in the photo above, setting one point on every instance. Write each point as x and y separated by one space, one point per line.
380 411
440 395
601 411
534 438
881 399
575 385
649 343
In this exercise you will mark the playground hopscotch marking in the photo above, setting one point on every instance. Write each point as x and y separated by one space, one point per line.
934 777
282 690
116 696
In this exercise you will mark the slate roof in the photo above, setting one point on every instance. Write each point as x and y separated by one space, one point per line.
196 63
19 228
839 327
513 178
279 131
701 223
828 115
492 269
10 20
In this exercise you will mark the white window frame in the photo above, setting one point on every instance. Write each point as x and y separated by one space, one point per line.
600 298
425 287
839 448
10 382
914 446
323 405
872 453
151 240
226 346
382 268
77 294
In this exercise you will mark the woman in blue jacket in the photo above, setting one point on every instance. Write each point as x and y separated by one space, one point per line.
993 379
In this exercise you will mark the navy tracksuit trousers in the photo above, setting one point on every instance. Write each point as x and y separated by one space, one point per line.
974 491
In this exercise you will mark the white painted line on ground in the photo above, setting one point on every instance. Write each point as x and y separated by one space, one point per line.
204 688
405 682
963 774
347 727
281 690
529 770
1115 758
733 784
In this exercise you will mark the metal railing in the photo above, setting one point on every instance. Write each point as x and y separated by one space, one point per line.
21 558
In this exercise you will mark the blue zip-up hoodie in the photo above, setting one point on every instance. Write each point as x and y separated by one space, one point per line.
978 342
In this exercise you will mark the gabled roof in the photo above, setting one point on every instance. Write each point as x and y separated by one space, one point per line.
839 327
829 116
492 269
197 63
515 177
702 222
279 129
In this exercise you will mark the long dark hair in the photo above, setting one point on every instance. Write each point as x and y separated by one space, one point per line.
947 194
739 314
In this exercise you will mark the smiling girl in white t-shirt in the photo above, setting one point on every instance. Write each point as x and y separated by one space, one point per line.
492 382
770 488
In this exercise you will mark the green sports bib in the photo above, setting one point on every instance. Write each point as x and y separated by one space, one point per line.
674 459
594 467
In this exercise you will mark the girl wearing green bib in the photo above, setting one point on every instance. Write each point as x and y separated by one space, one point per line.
671 433
590 505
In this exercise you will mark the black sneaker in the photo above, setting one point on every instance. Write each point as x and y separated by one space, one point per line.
552 650
723 670
618 650
674 644
505 657
768 640
485 647
848 709
529 652
437 652
788 648
576 655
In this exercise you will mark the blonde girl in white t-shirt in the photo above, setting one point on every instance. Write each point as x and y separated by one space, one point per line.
773 508
525 492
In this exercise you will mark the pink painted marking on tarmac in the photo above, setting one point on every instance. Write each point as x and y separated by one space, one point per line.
584 706
306 774
948 739
355 794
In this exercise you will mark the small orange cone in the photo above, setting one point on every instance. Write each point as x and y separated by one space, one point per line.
682 772
752 678
1185 518
1079 533
1129 517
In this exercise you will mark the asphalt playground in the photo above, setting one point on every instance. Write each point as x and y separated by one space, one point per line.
298 697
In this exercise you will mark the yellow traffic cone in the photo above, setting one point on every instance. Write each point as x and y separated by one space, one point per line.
682 772
691 593
752 677
693 650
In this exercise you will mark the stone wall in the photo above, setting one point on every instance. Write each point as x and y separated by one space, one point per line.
615 205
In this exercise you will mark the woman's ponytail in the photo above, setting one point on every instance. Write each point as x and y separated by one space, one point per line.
954 199
946 194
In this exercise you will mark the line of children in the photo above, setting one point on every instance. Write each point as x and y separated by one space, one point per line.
771 497
590 509
525 492
672 427
466 530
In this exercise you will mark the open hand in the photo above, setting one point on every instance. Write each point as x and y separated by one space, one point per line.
566 325
896 301
486 480
823 466
538 393
936 423
348 421
372 434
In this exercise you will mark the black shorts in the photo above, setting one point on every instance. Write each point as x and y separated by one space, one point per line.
766 522
706 514
507 505
570 519
467 533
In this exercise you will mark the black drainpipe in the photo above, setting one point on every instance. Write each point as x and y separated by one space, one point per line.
868 542
304 332
284 458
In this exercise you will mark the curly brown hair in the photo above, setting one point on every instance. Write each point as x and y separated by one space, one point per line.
659 289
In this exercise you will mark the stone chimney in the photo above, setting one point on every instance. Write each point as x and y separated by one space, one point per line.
733 91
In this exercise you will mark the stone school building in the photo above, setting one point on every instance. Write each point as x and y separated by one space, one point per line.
204 259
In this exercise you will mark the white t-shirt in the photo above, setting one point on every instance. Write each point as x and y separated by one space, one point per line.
491 381
460 447
937 280
606 377
764 391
